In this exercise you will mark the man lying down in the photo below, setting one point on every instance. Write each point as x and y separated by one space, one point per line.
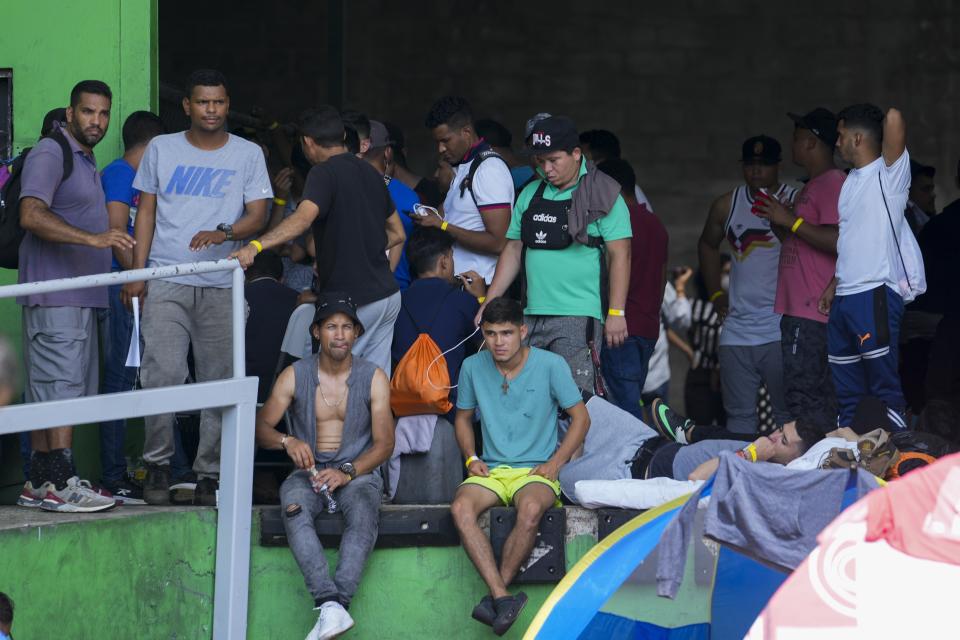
619 446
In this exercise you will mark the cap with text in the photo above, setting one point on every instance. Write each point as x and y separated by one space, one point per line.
557 133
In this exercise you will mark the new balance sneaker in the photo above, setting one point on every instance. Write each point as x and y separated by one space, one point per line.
156 484
668 422
508 610
33 498
205 494
125 492
332 621
78 496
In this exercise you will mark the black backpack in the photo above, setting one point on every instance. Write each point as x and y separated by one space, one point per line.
11 233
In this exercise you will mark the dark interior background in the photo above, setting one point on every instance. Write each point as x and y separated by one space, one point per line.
682 83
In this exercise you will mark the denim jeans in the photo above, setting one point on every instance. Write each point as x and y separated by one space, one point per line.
625 370
359 501
116 326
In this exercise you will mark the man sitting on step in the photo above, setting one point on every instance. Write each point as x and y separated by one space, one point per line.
518 391
342 431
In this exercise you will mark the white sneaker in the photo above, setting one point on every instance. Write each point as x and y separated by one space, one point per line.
332 621
78 496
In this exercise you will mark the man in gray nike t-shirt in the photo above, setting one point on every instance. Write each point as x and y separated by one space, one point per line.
202 190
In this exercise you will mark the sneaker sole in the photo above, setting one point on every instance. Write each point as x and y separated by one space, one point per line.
29 503
66 507
333 633
133 502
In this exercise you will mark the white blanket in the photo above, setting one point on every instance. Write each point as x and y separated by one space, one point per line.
632 494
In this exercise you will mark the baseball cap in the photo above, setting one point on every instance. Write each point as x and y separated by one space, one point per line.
379 135
821 122
331 303
532 122
556 133
762 149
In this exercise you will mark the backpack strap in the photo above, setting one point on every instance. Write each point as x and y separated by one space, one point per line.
467 183
58 136
893 230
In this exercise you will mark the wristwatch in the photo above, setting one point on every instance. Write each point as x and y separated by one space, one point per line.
227 229
347 468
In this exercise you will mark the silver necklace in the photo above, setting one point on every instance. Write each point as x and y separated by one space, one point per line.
320 386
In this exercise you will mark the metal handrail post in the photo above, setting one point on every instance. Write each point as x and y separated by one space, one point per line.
232 569
239 325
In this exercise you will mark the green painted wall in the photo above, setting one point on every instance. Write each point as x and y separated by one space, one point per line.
51 45
151 577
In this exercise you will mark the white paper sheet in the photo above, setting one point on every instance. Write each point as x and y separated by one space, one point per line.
133 353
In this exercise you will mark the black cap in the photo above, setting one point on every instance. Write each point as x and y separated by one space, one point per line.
332 303
918 168
556 133
821 122
762 149
379 135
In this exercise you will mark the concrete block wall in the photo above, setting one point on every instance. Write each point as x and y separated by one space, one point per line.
682 83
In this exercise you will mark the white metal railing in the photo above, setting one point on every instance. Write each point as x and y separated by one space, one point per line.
236 396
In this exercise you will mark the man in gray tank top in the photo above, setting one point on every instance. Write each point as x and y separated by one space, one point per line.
750 352
342 431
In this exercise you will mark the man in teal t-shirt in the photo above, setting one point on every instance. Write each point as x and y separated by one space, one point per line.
563 268
517 391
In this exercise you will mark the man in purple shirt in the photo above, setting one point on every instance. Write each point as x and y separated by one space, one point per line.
67 235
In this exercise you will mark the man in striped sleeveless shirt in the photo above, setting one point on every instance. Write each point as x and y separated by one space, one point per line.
750 339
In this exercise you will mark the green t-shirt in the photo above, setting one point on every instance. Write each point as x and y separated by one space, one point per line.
519 427
566 282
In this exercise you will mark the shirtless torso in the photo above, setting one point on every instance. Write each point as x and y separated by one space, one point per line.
331 408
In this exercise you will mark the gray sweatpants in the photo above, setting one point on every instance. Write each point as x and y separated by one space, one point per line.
377 319
742 370
174 317
359 501
566 336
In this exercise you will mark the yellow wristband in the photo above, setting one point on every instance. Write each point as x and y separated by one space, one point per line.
616 312
443 227
470 461
796 225
257 244
752 450
280 202
716 294
482 299
273 126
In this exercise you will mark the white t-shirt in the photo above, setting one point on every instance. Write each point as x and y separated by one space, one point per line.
866 249
493 188
675 313
820 451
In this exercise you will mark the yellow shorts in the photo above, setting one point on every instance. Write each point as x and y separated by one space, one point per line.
507 481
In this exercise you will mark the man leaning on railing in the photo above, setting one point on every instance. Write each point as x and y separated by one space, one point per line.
67 234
